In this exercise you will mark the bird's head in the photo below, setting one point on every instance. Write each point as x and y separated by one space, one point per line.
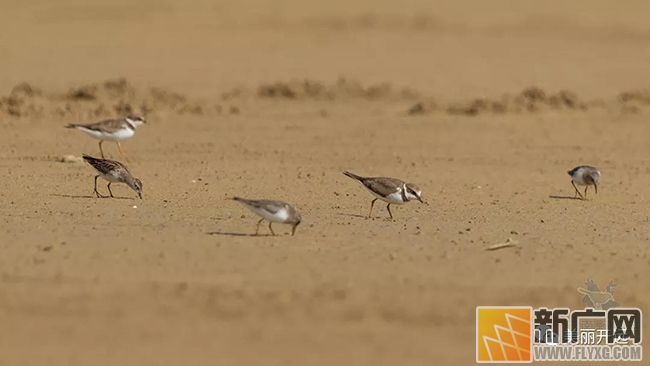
413 192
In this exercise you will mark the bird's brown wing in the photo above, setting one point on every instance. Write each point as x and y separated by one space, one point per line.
382 185
109 125
266 205
104 165
269 205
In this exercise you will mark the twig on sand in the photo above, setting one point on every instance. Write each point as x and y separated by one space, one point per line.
509 243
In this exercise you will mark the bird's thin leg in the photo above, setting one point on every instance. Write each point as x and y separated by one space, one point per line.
270 228
109 189
96 191
577 191
257 231
586 191
388 208
119 147
371 204
100 148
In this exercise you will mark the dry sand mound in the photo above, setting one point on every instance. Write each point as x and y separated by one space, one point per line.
342 89
533 100
632 101
112 97
119 97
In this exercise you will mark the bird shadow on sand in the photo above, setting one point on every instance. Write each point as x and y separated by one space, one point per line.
352 215
89 196
387 219
565 198
222 233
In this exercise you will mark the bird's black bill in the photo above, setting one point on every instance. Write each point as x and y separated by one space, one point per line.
596 188
293 230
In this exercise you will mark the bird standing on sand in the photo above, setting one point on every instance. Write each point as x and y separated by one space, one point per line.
391 190
113 172
112 129
584 175
273 211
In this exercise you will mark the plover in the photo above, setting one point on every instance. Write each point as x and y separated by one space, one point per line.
112 129
273 211
113 172
391 190
584 175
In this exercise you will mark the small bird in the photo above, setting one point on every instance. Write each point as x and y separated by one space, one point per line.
391 190
273 211
584 175
113 172
112 129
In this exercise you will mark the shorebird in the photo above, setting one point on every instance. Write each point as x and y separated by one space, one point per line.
113 172
273 211
584 175
112 129
391 190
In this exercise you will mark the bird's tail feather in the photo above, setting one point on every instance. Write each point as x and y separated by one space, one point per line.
353 176
88 158
244 201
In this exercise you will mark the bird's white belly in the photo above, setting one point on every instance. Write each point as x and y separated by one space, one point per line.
580 180
280 216
110 177
122 134
393 198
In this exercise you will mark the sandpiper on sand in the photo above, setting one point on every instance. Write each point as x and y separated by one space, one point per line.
113 172
112 129
273 211
584 175
391 190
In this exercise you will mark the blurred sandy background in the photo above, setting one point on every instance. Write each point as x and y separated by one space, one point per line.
485 105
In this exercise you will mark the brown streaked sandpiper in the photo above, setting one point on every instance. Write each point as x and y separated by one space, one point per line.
273 211
113 172
390 190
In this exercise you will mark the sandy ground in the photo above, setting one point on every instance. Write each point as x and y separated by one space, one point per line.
176 278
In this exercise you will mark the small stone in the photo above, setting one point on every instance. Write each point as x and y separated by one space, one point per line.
70 159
